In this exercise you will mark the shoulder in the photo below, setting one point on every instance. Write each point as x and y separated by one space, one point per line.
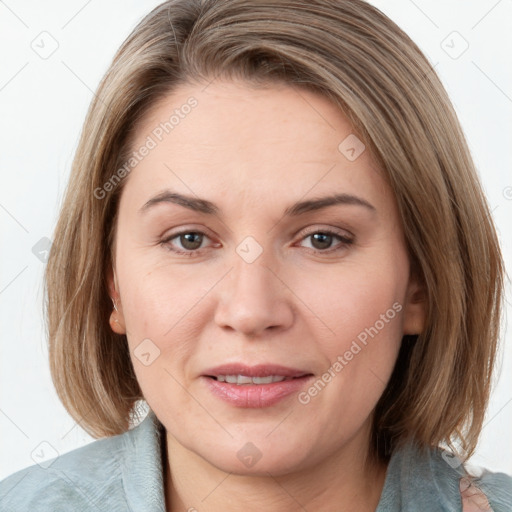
430 479
79 478
87 478
497 488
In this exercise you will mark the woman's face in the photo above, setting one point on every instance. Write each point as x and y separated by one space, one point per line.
258 241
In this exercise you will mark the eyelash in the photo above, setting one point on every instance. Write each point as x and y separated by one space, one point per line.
345 242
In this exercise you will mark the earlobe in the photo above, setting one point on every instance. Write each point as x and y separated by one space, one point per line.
115 323
415 310
116 320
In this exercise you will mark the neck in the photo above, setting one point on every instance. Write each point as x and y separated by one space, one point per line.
345 481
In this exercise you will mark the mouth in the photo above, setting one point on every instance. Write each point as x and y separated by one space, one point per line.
242 380
254 386
242 374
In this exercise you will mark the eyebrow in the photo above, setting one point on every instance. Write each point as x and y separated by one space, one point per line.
296 209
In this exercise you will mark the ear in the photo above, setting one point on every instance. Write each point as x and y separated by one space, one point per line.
116 321
415 310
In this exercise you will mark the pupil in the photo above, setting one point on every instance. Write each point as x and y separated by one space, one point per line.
324 240
188 241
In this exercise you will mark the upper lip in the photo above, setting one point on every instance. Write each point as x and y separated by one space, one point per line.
260 370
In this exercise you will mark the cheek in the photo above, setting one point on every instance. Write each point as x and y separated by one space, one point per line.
164 312
158 296
359 335
364 307
351 301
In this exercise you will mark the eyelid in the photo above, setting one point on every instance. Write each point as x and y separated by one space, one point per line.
168 235
342 233
319 227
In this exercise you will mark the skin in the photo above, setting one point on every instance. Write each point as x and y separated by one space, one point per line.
254 152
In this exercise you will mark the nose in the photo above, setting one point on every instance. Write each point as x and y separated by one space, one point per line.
254 299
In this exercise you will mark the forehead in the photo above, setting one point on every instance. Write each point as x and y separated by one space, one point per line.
230 139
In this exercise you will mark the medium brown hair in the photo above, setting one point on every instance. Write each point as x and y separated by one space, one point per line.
351 53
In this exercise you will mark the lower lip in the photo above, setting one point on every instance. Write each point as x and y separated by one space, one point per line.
255 395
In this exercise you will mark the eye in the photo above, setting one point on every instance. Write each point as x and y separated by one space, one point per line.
188 242
322 240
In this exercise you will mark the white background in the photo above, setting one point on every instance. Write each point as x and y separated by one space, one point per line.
43 104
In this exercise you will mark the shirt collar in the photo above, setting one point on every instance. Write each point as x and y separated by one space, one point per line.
142 467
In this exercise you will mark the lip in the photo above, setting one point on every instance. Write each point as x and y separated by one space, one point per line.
260 370
255 395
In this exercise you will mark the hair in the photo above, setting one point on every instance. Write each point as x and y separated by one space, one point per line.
351 53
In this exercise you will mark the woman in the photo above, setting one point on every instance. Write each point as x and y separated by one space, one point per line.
275 236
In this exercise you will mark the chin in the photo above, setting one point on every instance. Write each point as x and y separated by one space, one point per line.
257 459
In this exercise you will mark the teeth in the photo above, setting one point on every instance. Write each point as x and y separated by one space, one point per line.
244 379
264 380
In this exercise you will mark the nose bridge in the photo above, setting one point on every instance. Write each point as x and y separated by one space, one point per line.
252 297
